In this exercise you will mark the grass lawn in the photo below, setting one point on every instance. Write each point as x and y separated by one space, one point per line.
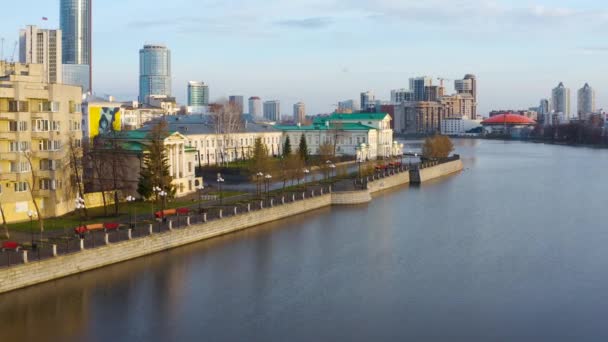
97 215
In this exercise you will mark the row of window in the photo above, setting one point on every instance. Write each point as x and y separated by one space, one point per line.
233 142
15 106
42 125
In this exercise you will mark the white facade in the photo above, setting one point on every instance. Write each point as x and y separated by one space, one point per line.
586 102
272 110
255 107
457 126
40 46
560 100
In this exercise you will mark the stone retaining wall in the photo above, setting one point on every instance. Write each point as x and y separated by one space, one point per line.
441 170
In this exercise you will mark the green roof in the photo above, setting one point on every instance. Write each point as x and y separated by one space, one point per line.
357 116
323 127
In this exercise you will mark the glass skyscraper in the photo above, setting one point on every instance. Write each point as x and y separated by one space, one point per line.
75 22
198 94
154 72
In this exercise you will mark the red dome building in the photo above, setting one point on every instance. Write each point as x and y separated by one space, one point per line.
511 124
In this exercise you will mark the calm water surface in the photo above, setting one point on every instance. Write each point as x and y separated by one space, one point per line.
513 249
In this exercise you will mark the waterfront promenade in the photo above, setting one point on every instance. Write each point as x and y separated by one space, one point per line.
64 255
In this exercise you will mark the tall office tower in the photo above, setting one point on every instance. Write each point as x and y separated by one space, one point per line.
468 85
544 110
586 102
348 106
473 79
75 21
238 101
367 99
198 97
401 95
272 110
418 86
560 101
41 46
299 112
154 72
255 107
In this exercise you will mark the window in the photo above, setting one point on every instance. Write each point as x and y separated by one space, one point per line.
189 185
48 165
24 146
44 145
46 184
40 125
56 145
189 167
77 143
17 106
75 125
20 186
55 126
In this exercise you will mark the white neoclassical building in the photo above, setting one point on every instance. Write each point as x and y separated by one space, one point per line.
360 134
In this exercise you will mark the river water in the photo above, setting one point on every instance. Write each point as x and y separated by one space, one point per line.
512 249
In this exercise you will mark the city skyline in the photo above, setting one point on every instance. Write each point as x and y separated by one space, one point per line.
324 74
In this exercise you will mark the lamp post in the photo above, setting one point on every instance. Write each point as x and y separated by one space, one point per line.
133 219
31 214
80 206
332 169
306 172
328 164
156 190
220 180
268 178
200 189
260 177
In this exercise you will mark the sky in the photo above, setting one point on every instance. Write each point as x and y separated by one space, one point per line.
324 51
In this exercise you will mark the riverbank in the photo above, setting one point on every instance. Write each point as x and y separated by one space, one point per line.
59 266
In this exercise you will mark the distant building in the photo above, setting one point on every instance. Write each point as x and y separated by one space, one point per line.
530 113
154 72
40 46
299 112
401 95
75 21
421 117
198 97
458 126
586 102
468 85
514 125
238 101
347 106
272 110
255 107
459 105
367 100
418 87
560 100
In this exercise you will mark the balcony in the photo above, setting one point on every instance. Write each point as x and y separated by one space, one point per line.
7 116
8 135
41 135
8 177
42 193
12 156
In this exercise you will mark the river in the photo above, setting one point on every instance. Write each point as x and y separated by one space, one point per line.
512 249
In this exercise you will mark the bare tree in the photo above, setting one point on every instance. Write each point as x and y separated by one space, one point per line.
336 132
75 162
32 187
226 120
7 235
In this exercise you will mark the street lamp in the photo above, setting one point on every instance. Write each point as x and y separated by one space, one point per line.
332 168
31 215
268 178
131 199
328 163
80 206
306 172
200 189
220 180
260 177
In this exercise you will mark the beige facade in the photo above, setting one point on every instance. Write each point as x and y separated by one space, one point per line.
38 124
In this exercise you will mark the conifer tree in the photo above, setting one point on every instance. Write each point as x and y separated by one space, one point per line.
155 170
287 147
303 149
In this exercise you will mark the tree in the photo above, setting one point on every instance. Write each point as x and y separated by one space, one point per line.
260 162
226 120
337 132
31 186
7 235
155 170
75 161
287 147
437 146
303 149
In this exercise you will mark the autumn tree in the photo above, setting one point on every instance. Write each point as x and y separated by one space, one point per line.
437 146
156 170
227 121
260 162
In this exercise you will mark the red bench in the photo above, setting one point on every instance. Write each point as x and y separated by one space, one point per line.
171 212
95 227
10 246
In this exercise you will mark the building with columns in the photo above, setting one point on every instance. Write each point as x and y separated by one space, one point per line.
133 145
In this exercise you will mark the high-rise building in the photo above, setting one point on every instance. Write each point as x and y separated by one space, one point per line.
473 79
299 112
43 119
238 101
198 97
433 93
255 107
40 46
272 110
367 99
560 101
418 87
75 21
468 85
347 106
544 111
401 95
586 102
154 72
